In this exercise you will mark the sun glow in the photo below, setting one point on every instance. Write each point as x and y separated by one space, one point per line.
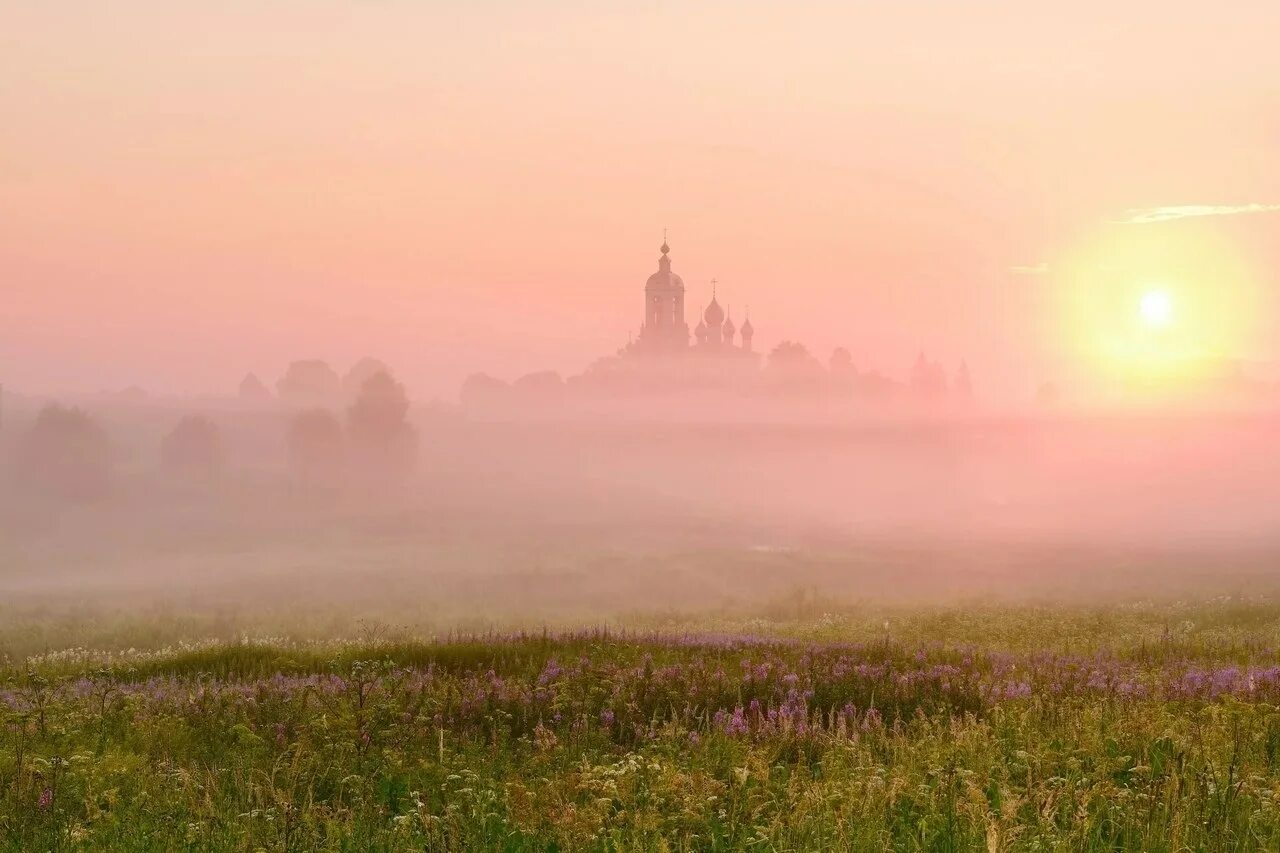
1156 308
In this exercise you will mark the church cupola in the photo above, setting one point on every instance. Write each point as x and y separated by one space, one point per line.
748 331
714 315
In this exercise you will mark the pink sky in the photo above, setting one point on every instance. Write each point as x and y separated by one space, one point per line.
189 191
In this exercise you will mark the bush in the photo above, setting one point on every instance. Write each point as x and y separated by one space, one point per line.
312 382
378 426
65 454
193 448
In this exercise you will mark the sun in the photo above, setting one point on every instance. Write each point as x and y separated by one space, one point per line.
1155 309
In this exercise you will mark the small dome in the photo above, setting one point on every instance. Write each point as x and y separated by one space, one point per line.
747 330
714 314
728 329
701 331
664 278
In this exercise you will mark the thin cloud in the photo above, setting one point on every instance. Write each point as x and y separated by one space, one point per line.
1145 215
1039 269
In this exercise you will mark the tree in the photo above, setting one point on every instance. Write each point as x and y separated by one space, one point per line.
540 386
252 390
480 389
65 454
789 353
841 361
361 372
193 448
874 385
843 374
791 368
928 378
310 381
315 447
378 425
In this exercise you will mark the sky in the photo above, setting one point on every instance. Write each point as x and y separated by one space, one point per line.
191 191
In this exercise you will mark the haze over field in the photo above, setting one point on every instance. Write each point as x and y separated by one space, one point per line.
519 523
1011 271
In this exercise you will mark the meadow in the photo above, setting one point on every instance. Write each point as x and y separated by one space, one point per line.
1029 638
1143 725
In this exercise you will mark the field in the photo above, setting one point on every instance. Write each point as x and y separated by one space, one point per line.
1026 637
1007 727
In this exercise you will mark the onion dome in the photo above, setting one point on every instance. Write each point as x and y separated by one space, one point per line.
664 278
701 331
714 315
728 329
747 330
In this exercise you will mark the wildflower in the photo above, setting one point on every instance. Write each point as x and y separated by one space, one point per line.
549 673
1017 690
543 738
732 725
45 800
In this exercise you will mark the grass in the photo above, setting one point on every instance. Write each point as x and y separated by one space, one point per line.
1020 727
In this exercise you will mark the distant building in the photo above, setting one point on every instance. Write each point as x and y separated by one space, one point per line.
664 330
715 332
717 357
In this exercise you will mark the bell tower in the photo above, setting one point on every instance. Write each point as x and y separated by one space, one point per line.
664 326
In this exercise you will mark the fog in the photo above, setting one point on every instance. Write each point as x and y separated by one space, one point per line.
906 302
558 517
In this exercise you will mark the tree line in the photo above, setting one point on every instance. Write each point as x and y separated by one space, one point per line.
67 453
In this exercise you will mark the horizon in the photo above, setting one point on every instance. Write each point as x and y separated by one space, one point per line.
485 189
